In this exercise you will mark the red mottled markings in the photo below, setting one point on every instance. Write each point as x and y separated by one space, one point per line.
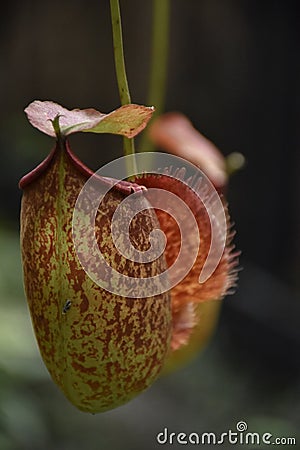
94 348
95 385
82 369
84 305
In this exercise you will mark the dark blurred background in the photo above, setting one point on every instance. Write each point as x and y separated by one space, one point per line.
234 70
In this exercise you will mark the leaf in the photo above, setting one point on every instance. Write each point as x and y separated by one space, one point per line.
128 120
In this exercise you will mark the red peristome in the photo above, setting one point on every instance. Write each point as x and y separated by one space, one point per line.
122 186
38 170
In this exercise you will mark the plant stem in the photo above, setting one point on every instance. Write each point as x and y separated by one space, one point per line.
160 48
119 52
159 60
120 66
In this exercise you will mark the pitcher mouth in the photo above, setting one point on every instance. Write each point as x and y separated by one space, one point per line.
125 187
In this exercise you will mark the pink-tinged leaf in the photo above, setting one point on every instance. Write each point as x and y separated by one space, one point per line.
128 120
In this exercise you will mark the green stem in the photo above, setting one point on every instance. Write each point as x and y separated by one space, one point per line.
159 62
119 52
160 48
120 66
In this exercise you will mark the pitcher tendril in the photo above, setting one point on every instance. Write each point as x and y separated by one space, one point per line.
120 67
